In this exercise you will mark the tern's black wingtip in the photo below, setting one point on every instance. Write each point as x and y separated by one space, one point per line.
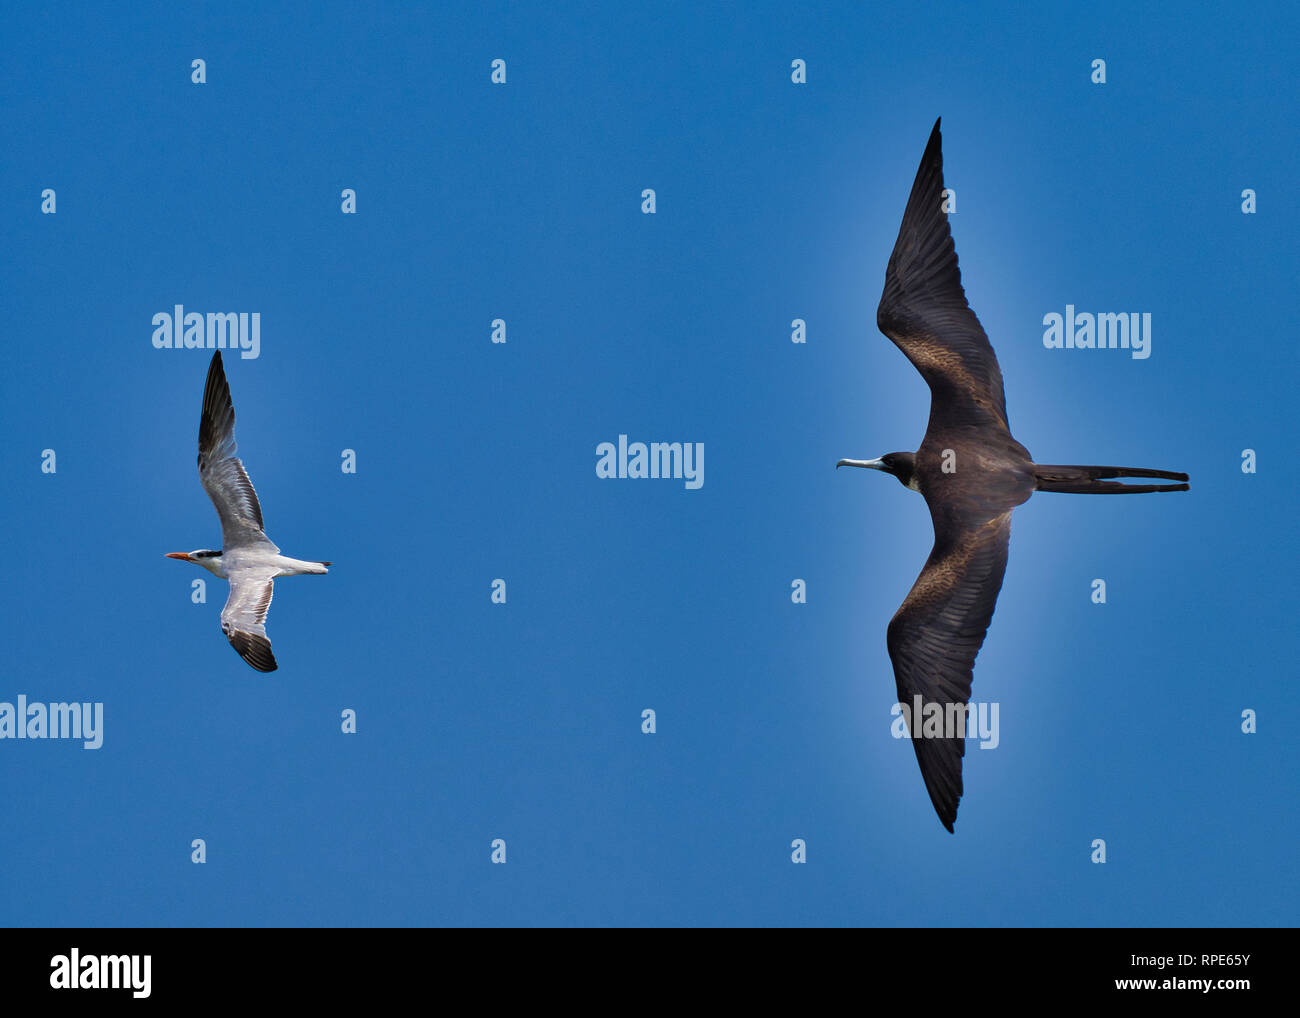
216 373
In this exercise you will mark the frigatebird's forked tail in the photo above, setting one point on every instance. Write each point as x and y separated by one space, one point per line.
1081 480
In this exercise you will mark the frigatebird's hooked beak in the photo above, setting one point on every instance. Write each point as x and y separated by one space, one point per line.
870 464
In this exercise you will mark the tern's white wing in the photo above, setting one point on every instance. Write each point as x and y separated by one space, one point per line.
223 476
243 619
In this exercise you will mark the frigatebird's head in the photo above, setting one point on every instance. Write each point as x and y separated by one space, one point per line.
205 557
901 464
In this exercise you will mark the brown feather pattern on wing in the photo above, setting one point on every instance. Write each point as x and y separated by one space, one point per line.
937 633
923 309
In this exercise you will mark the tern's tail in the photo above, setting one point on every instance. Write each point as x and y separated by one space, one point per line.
1077 480
300 567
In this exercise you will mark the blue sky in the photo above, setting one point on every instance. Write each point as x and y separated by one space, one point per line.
476 461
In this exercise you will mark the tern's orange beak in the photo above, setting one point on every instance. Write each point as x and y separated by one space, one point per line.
183 555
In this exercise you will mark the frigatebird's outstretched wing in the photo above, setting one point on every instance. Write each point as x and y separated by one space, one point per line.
243 619
935 635
222 474
923 309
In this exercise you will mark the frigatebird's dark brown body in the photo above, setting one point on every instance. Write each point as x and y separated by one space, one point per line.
970 470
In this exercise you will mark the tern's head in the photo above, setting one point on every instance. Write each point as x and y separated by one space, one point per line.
901 464
205 557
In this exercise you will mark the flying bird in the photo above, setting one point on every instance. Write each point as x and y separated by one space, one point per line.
971 473
247 557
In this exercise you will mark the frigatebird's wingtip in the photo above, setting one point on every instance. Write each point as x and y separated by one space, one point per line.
936 141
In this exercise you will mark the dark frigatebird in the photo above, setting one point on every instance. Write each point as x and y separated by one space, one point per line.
970 471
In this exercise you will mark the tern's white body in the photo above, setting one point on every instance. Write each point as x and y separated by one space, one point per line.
256 559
